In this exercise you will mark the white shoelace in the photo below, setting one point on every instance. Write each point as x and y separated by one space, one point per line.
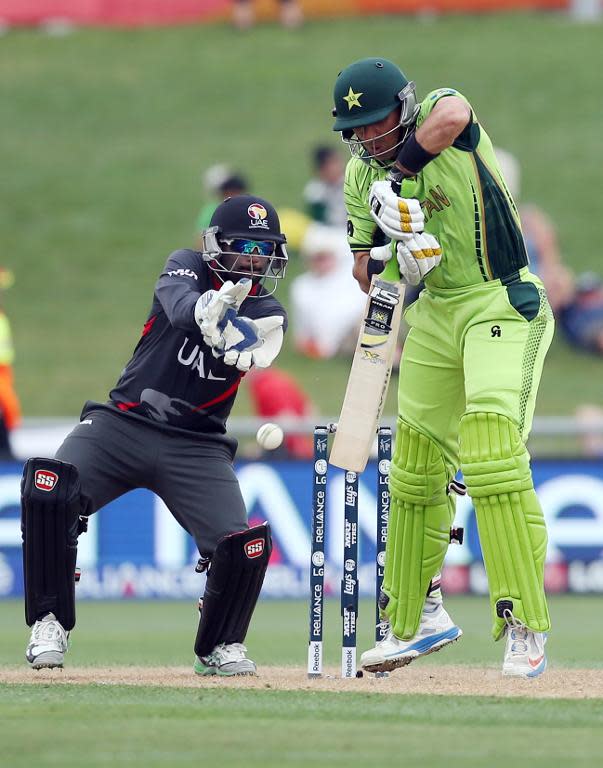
224 653
48 630
518 634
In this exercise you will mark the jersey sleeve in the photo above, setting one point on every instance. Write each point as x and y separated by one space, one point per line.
469 138
363 233
179 287
432 99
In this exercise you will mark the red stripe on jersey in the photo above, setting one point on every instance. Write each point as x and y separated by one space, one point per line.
126 406
227 393
148 325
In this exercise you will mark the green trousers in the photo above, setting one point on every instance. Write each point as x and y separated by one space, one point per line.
469 374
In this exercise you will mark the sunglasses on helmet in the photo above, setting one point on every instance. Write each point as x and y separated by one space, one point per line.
250 247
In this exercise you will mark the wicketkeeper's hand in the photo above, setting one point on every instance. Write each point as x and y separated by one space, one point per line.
417 255
395 216
211 306
239 340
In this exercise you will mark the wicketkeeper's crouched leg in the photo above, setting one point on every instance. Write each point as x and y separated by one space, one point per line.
420 517
53 514
234 581
495 466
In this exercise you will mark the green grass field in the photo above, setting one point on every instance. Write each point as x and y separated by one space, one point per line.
106 133
97 725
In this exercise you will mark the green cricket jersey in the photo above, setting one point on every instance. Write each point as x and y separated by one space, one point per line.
466 203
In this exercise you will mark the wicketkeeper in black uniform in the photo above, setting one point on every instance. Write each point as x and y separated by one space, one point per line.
164 428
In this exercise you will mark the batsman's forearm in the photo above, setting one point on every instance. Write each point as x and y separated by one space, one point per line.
359 270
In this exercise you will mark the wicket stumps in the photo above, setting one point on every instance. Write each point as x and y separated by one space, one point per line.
349 583
317 558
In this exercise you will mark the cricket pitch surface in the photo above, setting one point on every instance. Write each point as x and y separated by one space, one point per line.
444 680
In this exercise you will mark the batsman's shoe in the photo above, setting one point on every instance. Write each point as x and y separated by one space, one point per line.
226 660
48 643
435 631
524 651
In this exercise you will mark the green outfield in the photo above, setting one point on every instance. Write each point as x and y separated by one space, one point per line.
162 633
96 724
105 135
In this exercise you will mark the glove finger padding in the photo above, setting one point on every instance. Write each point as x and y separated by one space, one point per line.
247 342
383 253
409 267
238 333
212 305
396 216
234 294
418 255
271 331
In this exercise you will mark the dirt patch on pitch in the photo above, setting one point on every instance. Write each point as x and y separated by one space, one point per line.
447 680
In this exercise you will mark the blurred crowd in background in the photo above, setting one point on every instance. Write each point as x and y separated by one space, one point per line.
323 279
322 263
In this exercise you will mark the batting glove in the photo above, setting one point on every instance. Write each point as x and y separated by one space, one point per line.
396 216
417 255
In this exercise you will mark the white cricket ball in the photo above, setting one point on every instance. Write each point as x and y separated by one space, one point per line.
269 436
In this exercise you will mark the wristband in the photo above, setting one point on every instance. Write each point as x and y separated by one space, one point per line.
374 267
413 157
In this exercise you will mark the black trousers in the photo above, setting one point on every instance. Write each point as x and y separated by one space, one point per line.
115 453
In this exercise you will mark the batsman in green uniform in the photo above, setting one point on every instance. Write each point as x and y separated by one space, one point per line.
423 187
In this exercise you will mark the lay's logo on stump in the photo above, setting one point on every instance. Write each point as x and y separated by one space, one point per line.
45 479
254 548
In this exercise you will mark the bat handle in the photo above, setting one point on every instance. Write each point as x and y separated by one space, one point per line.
396 177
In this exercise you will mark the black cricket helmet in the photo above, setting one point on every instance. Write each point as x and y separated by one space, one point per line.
366 92
244 239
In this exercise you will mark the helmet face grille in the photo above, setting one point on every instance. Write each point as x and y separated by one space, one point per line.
229 264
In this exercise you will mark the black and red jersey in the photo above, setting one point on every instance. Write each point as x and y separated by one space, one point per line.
173 379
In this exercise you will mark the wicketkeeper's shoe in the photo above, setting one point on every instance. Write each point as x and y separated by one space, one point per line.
48 643
225 660
524 651
435 631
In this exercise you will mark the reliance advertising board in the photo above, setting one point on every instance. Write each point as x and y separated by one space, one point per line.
133 547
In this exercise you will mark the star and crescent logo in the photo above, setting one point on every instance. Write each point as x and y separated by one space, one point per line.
353 99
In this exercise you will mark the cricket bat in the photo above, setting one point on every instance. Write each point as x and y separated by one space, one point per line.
371 371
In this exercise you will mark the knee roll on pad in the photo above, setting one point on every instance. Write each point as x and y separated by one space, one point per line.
234 581
496 469
51 505
419 527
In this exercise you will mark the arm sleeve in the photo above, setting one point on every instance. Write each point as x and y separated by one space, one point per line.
469 138
178 288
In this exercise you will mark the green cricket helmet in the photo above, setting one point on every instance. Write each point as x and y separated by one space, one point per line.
366 92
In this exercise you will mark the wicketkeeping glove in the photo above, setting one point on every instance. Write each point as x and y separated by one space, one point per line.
417 255
239 340
245 342
395 216
211 306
